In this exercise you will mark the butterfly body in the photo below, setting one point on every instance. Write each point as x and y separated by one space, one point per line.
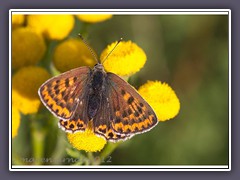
84 96
96 89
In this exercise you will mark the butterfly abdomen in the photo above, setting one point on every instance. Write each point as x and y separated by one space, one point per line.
95 92
93 105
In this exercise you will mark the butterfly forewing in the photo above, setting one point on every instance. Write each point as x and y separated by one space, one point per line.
131 114
62 94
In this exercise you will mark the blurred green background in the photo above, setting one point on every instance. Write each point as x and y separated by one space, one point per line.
190 53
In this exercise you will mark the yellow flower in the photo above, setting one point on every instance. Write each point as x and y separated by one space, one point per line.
86 140
25 84
91 18
28 47
51 26
162 99
17 19
127 59
15 121
72 53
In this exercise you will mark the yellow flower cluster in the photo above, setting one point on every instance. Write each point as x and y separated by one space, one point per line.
86 140
162 98
54 27
25 84
127 59
90 18
72 53
28 47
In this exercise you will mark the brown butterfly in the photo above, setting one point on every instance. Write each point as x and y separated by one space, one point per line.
84 95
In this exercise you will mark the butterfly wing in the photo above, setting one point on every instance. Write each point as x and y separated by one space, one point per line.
73 125
102 121
64 94
130 113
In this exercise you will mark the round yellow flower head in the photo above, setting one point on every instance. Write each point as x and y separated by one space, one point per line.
86 141
72 53
17 20
25 84
28 47
126 59
15 121
94 18
162 99
55 27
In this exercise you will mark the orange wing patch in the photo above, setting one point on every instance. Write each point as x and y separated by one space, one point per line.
135 118
59 98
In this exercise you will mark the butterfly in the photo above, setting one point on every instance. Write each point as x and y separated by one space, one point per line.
84 95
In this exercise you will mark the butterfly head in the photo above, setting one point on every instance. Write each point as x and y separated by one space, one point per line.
98 67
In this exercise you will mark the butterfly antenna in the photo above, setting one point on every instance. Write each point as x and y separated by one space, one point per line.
90 49
112 50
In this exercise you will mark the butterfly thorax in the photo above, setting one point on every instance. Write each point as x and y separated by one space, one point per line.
96 89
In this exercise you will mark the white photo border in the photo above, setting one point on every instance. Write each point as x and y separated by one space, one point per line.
122 167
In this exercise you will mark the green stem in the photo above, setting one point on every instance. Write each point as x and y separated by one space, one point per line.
38 140
109 148
90 158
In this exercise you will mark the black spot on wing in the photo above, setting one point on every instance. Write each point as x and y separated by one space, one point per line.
57 92
118 120
130 100
124 114
63 93
136 114
139 109
65 98
123 92
110 134
74 79
129 111
67 82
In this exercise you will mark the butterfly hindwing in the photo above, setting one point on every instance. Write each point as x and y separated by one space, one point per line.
102 121
131 114
79 121
61 94
72 125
